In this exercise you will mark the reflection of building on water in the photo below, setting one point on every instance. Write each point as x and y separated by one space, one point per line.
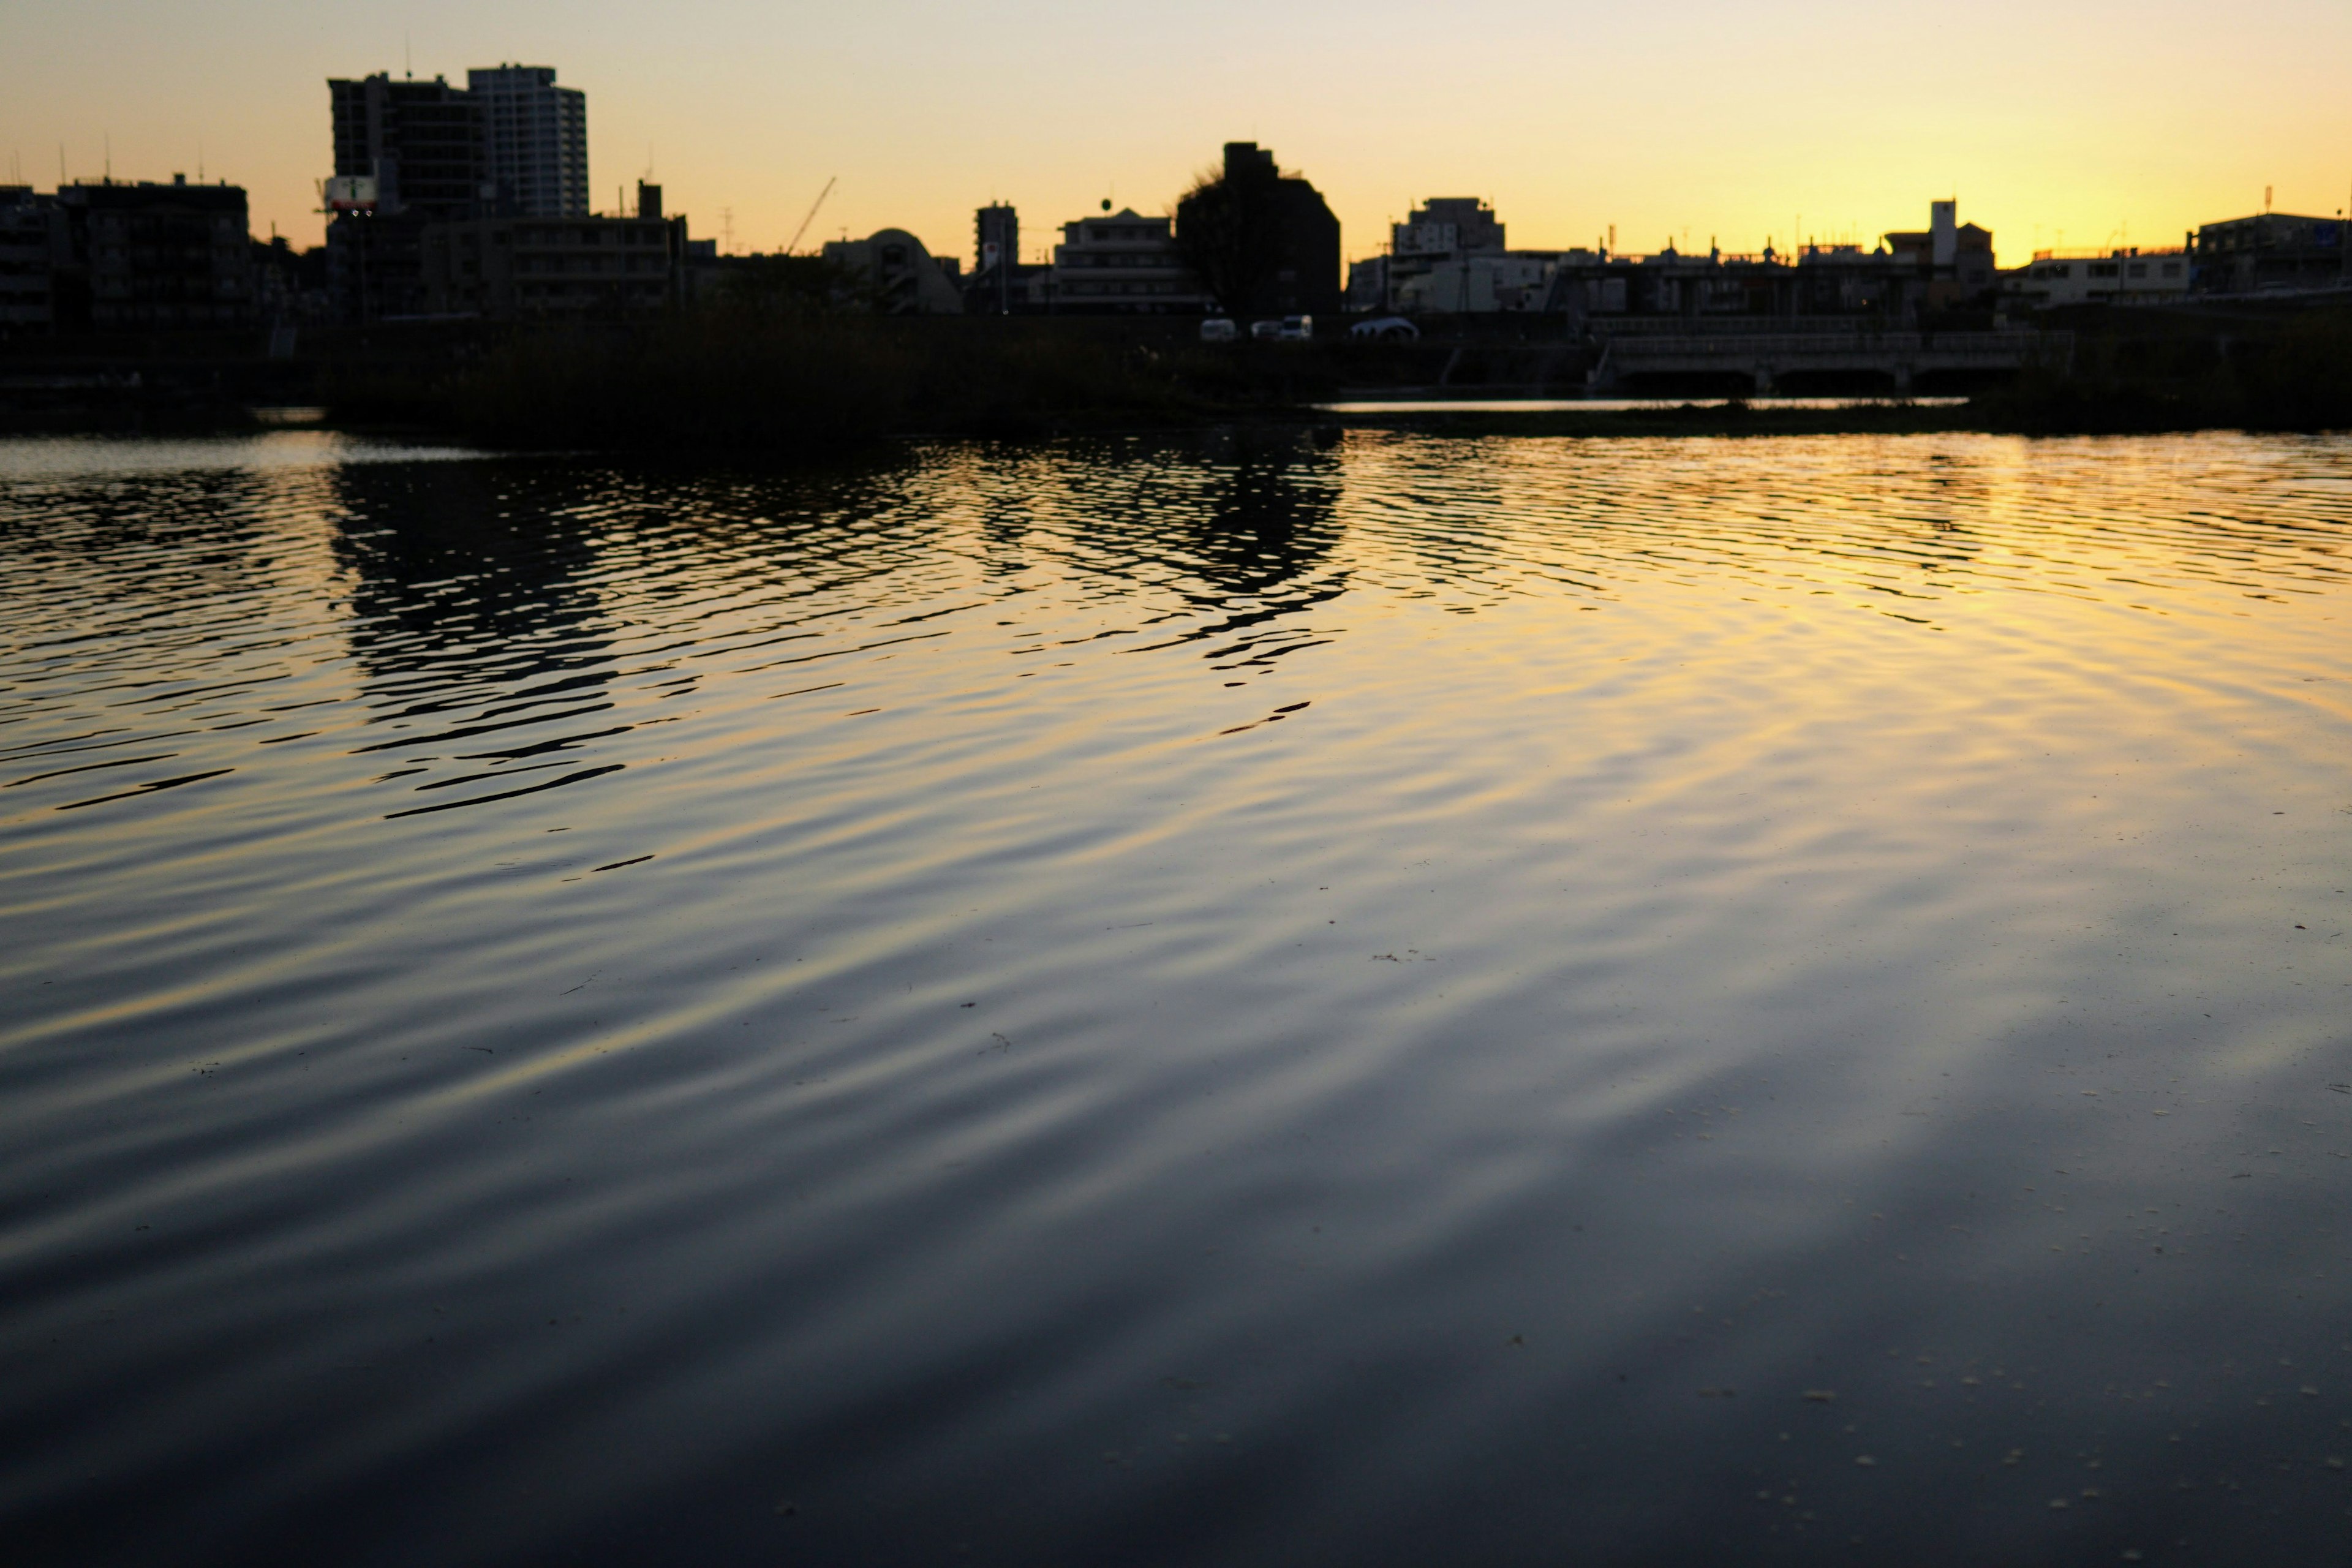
465 584
1264 544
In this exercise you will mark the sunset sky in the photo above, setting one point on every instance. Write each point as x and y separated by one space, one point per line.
2085 123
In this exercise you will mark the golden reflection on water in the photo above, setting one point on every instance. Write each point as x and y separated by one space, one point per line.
1419 956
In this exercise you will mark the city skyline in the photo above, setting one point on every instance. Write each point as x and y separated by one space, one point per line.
1719 125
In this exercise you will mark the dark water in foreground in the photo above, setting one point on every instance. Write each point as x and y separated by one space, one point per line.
1396 1002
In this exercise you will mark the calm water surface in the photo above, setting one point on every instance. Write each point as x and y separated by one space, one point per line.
1286 1001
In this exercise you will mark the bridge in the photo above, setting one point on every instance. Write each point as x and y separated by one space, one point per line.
1768 358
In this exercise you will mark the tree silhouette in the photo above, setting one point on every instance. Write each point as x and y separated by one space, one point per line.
1228 232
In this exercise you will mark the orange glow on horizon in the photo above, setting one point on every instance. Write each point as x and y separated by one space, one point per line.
2106 125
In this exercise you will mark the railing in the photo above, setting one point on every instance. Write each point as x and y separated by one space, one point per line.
1907 344
1729 325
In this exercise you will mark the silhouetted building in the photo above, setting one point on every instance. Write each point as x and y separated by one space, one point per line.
1447 226
375 265
1957 256
154 257
422 142
32 242
996 238
535 140
289 285
1441 230
1122 264
1300 274
897 274
996 288
2097 277
508 268
2272 253
409 153
1479 282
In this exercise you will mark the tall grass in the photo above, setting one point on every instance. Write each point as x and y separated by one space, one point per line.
2147 372
752 382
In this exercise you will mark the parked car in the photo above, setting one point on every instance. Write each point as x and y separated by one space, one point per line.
1385 330
1265 331
1218 329
1287 330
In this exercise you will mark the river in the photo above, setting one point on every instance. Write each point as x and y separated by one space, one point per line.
1271 998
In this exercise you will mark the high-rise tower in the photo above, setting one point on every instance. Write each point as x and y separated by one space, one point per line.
420 142
536 135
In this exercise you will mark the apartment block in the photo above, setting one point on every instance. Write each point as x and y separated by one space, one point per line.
535 138
32 241
510 268
422 142
152 256
1123 264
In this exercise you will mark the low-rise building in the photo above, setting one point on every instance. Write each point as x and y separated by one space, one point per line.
900 277
2061 278
375 264
1123 263
1442 229
2271 253
508 268
1957 256
1478 284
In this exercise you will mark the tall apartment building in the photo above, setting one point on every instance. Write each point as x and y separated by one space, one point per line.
508 143
536 138
996 237
157 257
420 142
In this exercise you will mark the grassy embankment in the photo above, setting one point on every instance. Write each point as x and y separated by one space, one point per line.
2146 371
754 383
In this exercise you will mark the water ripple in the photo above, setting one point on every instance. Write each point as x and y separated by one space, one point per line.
1267 997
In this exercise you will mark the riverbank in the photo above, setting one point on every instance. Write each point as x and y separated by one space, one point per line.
792 387
795 386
